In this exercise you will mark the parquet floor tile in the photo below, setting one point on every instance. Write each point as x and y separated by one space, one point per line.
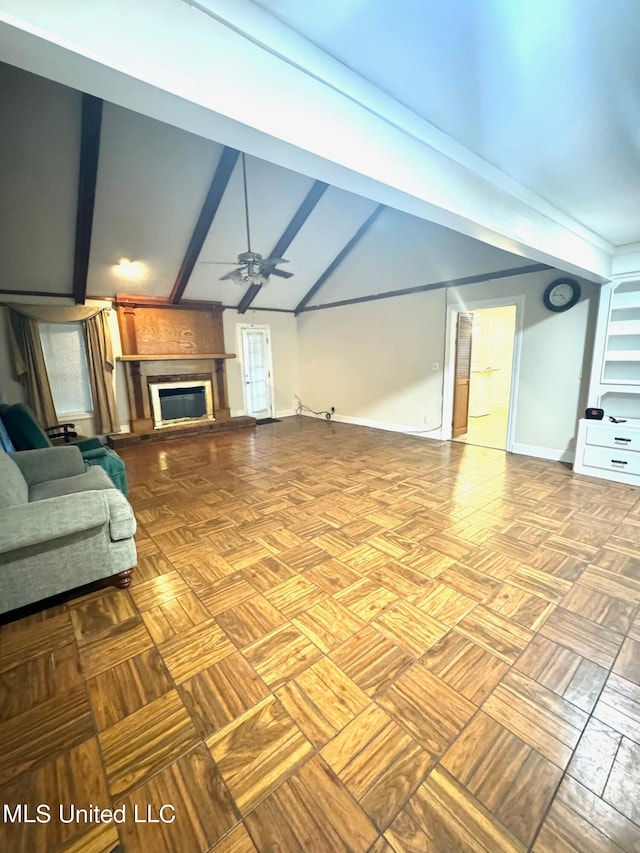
311 811
594 642
371 660
251 774
407 626
39 679
281 655
378 762
137 747
60 781
443 816
191 789
236 841
577 679
510 778
117 692
471 670
541 718
194 650
427 707
340 639
580 821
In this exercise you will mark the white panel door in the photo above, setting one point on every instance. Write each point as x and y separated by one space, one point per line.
256 357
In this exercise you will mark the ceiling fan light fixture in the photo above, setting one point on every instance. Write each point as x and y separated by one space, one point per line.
253 268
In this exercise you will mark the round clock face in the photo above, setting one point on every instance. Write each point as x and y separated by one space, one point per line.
561 294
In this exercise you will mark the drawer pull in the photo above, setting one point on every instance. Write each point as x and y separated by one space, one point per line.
618 462
622 440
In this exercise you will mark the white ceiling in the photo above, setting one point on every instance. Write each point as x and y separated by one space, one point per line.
548 91
513 121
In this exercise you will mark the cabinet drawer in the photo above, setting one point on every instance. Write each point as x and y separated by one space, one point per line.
613 436
612 459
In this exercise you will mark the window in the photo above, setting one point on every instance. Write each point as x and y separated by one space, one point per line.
65 356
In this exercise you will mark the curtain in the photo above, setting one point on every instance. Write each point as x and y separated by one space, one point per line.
101 363
29 366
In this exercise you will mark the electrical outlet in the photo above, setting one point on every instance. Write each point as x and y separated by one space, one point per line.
435 366
426 419
333 408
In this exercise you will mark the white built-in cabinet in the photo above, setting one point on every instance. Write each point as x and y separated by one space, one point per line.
604 449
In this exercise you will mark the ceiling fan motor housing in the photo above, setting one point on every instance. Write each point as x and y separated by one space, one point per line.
249 258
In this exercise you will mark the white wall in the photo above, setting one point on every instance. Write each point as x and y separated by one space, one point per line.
373 360
284 351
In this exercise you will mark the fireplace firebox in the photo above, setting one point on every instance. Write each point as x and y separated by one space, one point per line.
181 402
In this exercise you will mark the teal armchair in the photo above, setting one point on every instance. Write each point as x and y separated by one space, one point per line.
26 434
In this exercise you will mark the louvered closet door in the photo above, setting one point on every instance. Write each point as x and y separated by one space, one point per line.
462 374
255 343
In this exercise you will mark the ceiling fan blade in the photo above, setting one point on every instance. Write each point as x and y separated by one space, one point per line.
271 262
234 275
280 273
222 263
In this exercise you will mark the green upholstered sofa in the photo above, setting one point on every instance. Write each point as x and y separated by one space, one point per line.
27 434
61 526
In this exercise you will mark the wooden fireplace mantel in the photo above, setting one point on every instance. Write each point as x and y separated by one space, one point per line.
160 340
178 357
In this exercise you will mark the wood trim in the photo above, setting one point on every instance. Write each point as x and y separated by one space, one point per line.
127 300
276 310
297 221
210 206
339 258
438 285
87 179
176 357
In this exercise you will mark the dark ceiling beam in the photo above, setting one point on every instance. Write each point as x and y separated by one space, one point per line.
88 175
210 206
436 285
297 221
335 263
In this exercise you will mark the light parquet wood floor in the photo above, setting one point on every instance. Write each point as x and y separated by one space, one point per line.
339 640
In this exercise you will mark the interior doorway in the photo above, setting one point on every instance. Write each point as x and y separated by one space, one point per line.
484 344
257 371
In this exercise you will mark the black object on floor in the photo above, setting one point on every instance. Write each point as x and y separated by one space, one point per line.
260 421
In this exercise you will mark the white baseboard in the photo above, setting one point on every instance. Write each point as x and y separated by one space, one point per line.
286 413
550 453
384 425
125 428
237 413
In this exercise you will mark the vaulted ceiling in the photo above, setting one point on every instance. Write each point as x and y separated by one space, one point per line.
517 130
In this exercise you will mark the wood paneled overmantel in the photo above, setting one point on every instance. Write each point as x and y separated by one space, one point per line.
161 340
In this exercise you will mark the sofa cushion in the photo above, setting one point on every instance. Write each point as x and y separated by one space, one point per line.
122 521
93 479
13 486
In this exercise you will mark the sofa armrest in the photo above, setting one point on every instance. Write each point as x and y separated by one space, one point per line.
54 518
49 463
122 521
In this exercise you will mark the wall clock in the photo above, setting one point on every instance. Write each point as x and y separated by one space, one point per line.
561 294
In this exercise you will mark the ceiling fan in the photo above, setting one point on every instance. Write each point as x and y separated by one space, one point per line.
251 268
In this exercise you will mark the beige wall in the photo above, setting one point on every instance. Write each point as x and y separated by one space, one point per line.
373 361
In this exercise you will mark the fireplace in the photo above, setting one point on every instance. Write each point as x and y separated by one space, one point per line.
181 402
